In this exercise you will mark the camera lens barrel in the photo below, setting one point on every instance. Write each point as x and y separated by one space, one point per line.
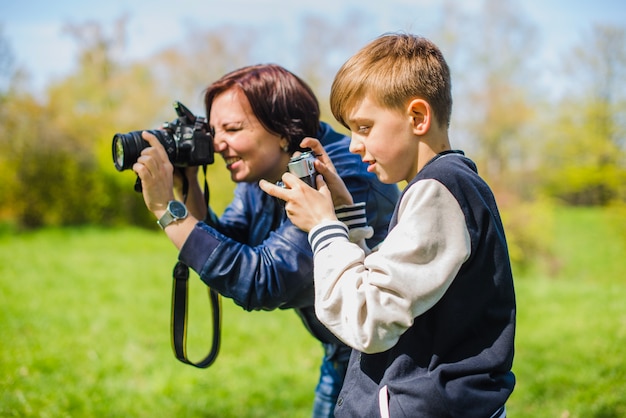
127 148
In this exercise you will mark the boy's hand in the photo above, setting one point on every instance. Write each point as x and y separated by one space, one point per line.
325 167
305 206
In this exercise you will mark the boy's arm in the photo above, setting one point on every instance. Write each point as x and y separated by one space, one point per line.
369 302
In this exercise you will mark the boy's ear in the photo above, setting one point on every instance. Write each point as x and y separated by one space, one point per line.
421 116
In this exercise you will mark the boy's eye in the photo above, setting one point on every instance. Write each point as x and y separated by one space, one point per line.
362 129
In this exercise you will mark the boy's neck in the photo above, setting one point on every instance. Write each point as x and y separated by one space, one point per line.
436 142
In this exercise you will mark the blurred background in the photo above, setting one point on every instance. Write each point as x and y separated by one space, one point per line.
539 104
538 88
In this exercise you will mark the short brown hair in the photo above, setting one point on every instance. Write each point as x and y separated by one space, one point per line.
391 70
282 102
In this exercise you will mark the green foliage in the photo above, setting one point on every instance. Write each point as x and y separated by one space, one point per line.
587 185
529 228
85 317
582 165
584 153
55 156
55 150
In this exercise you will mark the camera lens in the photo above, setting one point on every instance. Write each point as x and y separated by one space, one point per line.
118 153
127 148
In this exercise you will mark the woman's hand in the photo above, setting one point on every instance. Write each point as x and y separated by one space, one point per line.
156 173
190 173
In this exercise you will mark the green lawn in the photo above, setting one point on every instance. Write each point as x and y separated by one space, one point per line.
84 325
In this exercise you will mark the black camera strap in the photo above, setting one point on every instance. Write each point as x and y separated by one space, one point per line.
180 294
180 299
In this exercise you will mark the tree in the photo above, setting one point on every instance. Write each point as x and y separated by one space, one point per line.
599 63
492 80
323 46
184 71
585 153
61 166
6 62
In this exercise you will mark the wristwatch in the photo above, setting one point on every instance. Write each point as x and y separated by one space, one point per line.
175 211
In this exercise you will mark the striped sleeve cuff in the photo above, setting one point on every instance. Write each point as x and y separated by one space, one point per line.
353 216
323 234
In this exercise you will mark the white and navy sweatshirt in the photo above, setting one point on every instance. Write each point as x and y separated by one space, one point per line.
431 313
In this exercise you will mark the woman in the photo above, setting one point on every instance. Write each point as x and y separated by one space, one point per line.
260 116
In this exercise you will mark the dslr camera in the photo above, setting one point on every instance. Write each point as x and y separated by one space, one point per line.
302 167
187 141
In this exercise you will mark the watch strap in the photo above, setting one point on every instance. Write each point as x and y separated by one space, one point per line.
169 217
166 219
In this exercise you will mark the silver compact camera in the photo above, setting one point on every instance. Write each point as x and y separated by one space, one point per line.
302 167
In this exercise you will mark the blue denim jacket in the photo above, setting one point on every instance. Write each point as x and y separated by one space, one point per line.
254 255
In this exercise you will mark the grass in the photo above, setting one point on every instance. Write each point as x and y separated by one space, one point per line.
84 325
571 340
84 317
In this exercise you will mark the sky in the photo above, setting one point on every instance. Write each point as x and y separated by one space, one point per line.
34 28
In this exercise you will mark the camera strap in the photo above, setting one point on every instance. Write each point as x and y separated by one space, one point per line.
180 294
180 299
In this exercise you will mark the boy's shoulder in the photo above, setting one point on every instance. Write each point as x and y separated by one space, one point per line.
459 175
447 165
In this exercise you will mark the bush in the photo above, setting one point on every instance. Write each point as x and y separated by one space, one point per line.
529 228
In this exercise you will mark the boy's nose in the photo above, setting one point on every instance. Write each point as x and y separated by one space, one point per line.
356 146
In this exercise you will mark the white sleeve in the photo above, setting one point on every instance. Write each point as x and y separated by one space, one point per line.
370 301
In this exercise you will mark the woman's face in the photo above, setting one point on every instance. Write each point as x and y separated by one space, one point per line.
251 152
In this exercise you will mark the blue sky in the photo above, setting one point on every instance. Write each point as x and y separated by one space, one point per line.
34 28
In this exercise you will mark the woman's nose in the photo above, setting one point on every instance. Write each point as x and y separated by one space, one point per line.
218 144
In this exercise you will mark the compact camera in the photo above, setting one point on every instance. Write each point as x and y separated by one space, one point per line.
187 141
302 167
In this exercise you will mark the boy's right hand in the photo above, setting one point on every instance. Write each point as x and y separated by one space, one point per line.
305 206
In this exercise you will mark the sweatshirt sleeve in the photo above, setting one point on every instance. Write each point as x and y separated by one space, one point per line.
355 219
369 301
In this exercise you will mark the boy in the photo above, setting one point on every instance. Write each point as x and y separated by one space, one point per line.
431 313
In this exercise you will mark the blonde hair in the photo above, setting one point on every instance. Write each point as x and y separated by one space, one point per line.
392 70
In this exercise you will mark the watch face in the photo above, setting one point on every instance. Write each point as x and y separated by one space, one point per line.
177 209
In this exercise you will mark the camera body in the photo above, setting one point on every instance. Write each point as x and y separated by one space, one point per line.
187 141
302 167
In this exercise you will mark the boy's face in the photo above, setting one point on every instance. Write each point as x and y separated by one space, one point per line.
385 140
